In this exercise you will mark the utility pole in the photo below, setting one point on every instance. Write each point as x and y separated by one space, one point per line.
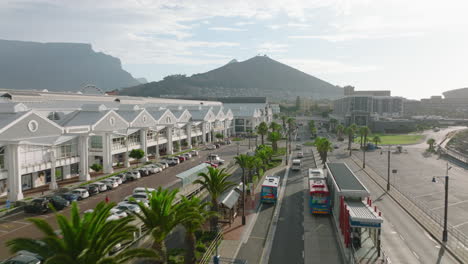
388 170
445 233
364 157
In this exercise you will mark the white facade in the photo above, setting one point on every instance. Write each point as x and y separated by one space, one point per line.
46 138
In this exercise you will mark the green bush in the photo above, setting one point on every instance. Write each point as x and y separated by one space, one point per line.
200 247
137 154
96 167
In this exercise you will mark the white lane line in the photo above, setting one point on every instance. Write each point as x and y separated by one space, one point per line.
440 207
402 238
464 223
4 231
430 237
416 255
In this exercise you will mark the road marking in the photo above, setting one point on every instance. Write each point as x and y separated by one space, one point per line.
302 253
464 223
262 238
3 231
430 237
428 194
318 227
402 238
416 255
440 207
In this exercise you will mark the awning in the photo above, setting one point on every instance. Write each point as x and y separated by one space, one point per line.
180 125
230 199
190 175
124 132
361 215
196 123
47 141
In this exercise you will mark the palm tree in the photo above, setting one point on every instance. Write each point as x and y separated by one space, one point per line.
275 127
82 239
333 123
350 132
274 137
323 146
431 143
284 119
376 140
364 132
216 183
291 127
262 129
339 131
161 216
199 217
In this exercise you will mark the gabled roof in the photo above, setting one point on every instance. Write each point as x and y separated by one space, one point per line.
182 115
162 116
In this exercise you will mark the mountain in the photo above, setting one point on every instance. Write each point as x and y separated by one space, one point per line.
142 80
258 76
59 67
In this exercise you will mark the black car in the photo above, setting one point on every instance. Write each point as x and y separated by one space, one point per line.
92 189
144 172
58 202
23 257
37 206
69 197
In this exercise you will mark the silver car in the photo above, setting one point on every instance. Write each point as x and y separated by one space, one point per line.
101 186
110 184
117 179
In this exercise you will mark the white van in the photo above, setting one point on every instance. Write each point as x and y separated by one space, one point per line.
296 165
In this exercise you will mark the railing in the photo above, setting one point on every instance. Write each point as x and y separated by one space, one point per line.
422 213
206 258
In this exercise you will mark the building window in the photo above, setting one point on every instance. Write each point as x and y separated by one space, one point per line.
54 116
2 158
96 142
74 169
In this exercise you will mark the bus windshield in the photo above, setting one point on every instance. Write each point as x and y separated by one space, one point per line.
319 199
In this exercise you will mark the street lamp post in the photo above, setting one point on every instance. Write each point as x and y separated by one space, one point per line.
445 231
238 144
364 157
388 170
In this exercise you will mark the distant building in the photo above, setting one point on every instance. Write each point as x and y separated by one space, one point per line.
364 107
453 104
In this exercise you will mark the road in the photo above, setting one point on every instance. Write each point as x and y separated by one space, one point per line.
17 226
301 237
403 239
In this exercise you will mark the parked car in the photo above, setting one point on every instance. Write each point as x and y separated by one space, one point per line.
117 215
163 164
110 184
187 156
217 145
132 175
142 190
102 187
214 158
228 141
24 257
300 155
37 206
69 196
92 189
81 192
144 171
181 158
174 159
298 146
122 177
126 207
137 197
210 147
212 164
117 179
58 202
194 153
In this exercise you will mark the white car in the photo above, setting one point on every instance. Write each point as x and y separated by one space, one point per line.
194 152
215 159
133 175
126 207
138 197
153 168
81 193
117 215
110 184
187 156
163 164
300 155
117 179
102 187
210 147
143 190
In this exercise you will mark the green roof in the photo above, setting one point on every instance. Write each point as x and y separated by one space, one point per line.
344 177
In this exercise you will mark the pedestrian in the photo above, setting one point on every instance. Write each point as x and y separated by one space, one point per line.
107 199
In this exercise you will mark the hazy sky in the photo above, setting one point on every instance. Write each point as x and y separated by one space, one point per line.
416 48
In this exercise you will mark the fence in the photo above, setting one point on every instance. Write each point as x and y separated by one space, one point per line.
430 220
206 258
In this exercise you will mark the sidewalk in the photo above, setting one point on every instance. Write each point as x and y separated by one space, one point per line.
237 234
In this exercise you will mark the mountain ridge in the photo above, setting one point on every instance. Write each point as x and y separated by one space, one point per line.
257 76
59 66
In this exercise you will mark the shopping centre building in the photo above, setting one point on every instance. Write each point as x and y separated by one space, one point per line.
47 137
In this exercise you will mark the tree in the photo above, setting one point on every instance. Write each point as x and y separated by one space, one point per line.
274 137
339 131
262 129
350 132
291 128
298 103
364 132
200 215
216 183
161 216
82 239
431 142
275 127
96 167
333 123
176 146
284 119
137 154
376 140
219 136
323 146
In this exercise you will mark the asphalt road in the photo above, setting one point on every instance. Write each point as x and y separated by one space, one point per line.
403 239
17 226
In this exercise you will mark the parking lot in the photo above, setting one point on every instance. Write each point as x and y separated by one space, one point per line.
17 226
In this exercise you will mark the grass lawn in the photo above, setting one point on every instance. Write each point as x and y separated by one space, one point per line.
398 139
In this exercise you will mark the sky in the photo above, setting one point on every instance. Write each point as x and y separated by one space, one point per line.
414 48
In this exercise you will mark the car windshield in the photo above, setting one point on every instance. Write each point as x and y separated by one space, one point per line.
139 196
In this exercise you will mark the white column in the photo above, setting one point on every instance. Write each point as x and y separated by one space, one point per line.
53 180
210 139
157 145
144 143
84 158
204 132
15 191
189 134
169 139
107 153
127 154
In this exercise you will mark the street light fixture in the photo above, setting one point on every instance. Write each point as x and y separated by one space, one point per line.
444 232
